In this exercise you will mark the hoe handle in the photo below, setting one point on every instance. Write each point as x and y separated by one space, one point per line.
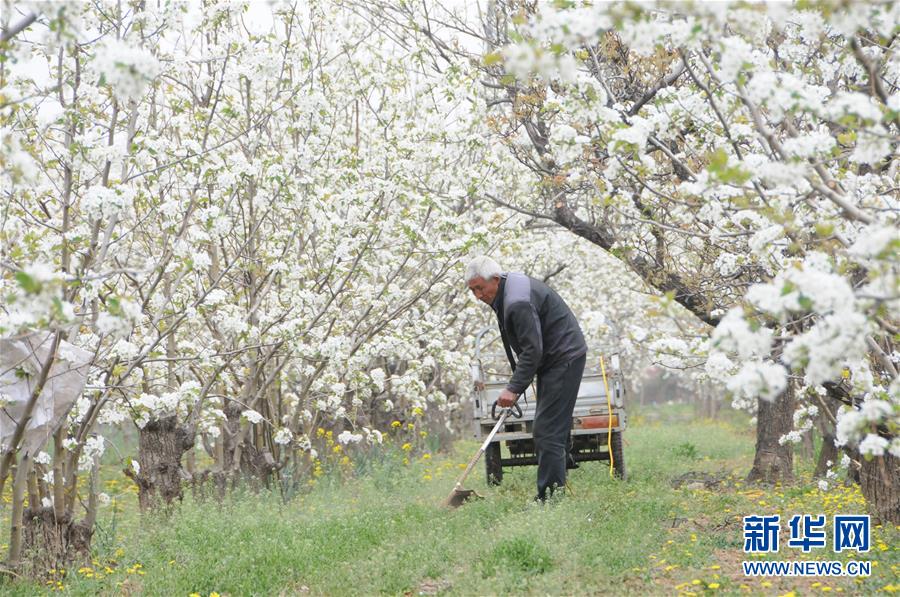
503 414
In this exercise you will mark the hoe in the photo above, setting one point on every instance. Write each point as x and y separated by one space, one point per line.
459 496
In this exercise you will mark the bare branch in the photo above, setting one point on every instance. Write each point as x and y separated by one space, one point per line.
16 29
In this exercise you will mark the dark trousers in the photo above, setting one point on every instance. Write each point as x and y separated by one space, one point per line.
557 389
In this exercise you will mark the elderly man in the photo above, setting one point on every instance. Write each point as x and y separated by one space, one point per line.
538 325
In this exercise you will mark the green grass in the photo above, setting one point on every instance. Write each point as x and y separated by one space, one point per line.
385 533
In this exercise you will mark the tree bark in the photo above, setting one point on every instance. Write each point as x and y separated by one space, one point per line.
774 462
807 447
51 541
162 444
20 481
827 453
879 480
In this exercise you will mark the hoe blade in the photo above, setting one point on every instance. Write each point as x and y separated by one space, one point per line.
458 497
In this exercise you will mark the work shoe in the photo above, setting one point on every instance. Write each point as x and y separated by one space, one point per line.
551 496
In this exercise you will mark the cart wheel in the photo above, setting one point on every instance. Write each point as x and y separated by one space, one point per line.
492 466
618 455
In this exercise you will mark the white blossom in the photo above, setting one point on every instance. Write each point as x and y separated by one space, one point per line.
762 379
94 447
348 437
875 240
126 68
735 334
636 134
895 447
283 436
873 445
252 416
872 146
792 437
125 349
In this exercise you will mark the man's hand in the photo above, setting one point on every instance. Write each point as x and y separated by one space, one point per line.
506 399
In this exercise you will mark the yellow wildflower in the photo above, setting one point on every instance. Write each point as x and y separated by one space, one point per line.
406 447
395 424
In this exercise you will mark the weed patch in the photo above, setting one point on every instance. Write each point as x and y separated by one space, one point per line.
520 554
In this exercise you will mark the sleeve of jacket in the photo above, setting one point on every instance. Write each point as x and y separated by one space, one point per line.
526 325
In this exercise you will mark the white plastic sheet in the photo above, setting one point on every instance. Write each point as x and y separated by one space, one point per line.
21 360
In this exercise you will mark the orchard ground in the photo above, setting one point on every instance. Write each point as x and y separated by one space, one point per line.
380 529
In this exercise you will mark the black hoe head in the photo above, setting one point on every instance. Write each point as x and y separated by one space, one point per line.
458 497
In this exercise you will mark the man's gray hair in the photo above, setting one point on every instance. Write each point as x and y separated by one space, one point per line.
483 267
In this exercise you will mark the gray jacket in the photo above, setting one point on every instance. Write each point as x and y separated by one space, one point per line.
538 325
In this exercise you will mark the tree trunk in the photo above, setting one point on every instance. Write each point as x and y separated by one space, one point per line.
161 446
825 426
774 462
827 453
50 541
807 446
879 480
